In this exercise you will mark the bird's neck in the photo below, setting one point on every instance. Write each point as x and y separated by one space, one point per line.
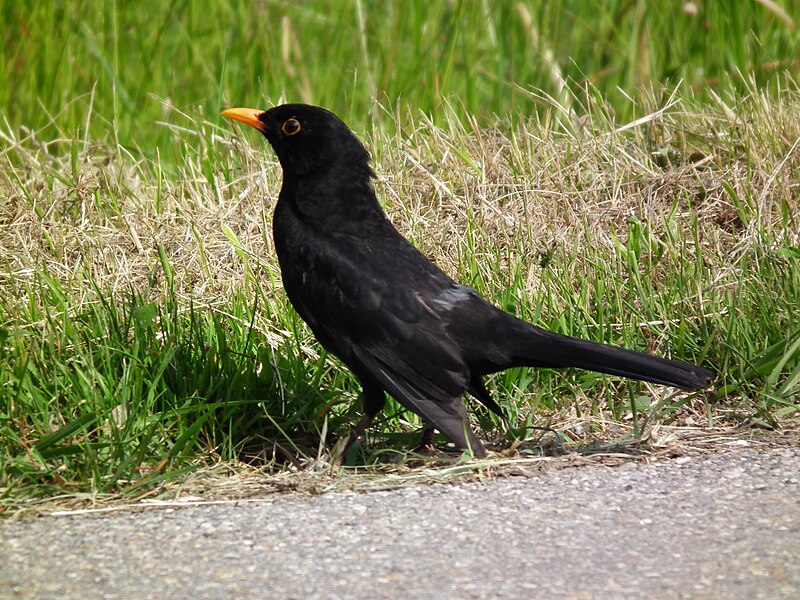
324 201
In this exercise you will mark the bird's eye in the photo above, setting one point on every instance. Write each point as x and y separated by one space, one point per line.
291 126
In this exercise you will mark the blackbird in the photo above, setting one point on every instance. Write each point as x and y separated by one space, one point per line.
371 298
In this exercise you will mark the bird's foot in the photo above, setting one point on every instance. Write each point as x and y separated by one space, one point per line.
426 441
342 448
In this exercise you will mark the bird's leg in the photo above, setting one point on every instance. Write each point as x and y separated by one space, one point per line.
373 398
426 441
343 446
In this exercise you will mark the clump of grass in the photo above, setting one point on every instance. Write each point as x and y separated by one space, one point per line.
144 332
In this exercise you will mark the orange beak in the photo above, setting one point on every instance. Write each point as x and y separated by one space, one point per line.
248 116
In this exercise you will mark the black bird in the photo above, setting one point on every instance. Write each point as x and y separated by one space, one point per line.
372 299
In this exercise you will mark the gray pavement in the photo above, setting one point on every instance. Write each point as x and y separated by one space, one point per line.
708 527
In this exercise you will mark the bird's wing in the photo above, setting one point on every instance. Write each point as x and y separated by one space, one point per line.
446 412
391 327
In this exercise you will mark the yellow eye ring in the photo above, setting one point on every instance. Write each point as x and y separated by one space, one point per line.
291 126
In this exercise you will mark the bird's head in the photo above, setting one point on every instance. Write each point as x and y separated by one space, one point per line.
307 139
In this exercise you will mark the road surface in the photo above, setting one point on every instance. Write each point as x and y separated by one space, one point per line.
709 527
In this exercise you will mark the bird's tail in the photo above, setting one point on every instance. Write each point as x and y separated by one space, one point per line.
547 349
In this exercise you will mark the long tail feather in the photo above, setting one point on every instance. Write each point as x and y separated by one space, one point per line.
546 349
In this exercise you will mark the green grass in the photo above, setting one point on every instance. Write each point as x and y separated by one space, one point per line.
144 332
138 66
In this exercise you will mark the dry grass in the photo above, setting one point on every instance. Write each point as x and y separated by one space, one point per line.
236 483
531 188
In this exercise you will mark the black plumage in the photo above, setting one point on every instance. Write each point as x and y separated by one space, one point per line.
372 299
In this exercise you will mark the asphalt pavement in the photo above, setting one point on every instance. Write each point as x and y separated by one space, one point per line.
710 527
